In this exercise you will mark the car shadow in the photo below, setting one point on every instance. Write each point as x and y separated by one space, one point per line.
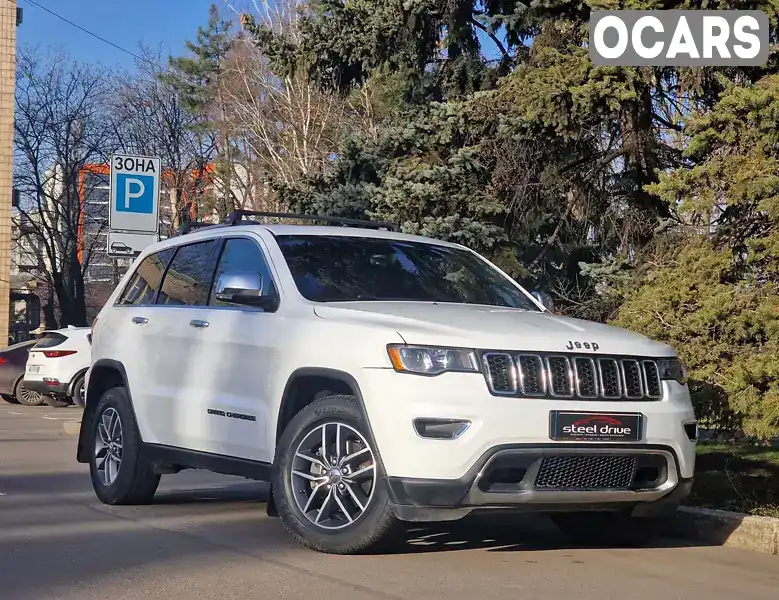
507 532
237 493
498 532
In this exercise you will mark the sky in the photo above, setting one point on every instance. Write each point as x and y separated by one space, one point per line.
123 22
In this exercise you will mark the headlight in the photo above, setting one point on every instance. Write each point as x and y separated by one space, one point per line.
672 368
431 361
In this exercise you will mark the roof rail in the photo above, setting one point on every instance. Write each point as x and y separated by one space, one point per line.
236 217
190 225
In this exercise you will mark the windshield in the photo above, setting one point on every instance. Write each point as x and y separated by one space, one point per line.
345 269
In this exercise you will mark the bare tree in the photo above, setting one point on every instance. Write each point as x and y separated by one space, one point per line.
61 127
358 111
280 16
287 125
150 118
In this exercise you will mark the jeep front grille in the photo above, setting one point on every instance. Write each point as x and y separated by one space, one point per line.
586 473
574 377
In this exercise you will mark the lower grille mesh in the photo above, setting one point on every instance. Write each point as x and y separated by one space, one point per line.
586 473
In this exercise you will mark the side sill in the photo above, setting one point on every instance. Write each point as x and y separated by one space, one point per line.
168 459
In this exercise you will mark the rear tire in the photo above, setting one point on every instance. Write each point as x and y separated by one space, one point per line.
55 402
120 475
27 397
358 484
610 528
78 393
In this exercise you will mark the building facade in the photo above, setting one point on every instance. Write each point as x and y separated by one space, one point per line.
8 24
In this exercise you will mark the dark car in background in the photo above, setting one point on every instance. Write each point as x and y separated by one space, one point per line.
13 360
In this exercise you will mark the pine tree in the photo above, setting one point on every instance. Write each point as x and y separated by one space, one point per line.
197 77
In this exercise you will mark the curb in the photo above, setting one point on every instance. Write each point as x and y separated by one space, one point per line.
72 427
723 528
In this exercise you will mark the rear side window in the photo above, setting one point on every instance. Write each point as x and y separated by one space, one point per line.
146 280
49 340
188 279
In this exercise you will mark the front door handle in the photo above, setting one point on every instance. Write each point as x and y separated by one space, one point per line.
140 320
198 323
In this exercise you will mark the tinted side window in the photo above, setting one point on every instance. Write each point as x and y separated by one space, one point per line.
188 279
241 254
146 279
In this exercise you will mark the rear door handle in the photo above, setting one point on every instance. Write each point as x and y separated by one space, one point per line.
140 320
198 323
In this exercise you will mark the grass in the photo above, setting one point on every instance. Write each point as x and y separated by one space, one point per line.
737 477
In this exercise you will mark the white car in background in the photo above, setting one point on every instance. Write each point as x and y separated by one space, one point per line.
57 364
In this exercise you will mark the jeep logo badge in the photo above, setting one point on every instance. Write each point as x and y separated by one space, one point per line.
588 345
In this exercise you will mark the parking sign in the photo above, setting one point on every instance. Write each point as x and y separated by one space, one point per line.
135 194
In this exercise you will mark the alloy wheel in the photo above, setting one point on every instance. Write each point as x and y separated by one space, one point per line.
108 446
29 396
333 475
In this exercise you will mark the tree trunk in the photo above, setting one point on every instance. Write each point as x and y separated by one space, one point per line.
63 297
641 161
49 315
79 304
70 294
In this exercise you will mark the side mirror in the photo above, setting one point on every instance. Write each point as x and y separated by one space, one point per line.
245 288
544 299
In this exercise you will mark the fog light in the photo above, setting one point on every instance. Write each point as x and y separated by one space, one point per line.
51 382
441 429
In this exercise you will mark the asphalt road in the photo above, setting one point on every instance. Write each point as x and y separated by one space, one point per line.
207 536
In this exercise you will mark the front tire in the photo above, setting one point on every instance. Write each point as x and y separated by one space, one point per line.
328 484
120 475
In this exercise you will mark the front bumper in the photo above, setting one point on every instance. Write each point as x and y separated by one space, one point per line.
522 478
394 400
451 476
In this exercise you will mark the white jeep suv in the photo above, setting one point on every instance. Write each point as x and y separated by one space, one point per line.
375 378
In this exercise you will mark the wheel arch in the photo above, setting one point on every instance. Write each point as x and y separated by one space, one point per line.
307 384
17 381
106 374
73 380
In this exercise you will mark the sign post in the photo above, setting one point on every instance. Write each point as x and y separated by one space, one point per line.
133 218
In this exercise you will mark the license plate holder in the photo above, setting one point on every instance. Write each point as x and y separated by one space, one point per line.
579 426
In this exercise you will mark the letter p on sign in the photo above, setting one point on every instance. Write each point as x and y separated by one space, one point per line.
128 193
135 193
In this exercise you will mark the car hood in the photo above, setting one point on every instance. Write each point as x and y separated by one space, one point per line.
488 327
